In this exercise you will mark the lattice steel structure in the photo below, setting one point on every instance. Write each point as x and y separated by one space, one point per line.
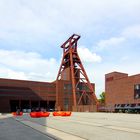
82 89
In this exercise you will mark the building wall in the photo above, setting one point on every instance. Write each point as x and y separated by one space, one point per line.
119 89
21 90
64 98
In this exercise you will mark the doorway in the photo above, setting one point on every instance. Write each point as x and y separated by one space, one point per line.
14 105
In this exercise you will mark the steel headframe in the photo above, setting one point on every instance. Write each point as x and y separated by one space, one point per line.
71 59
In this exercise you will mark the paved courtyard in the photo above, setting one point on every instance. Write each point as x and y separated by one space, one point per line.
10 129
92 126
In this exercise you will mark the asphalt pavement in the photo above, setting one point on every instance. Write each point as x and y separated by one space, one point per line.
10 129
89 126
79 126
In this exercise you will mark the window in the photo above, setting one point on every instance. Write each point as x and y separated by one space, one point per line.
83 86
67 86
137 87
51 92
137 91
66 103
68 92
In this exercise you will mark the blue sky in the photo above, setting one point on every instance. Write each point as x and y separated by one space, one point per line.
31 33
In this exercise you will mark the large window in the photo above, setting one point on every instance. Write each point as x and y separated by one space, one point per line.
83 86
137 91
67 86
66 103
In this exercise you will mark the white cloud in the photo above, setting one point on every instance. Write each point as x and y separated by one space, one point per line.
9 73
111 42
47 19
88 56
132 31
125 58
27 65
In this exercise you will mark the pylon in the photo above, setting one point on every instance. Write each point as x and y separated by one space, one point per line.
82 89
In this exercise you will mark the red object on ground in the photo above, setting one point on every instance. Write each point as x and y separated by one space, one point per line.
39 114
33 115
68 113
63 113
13 113
57 113
44 114
16 114
60 113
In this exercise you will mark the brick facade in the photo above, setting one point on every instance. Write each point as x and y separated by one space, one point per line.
119 89
33 94
21 92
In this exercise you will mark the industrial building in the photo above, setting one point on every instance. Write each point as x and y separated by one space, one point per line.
26 95
71 90
122 92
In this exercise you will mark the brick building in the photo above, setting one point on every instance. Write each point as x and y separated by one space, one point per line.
64 96
122 91
32 95
26 95
72 89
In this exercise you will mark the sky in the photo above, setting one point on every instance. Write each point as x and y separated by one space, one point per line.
32 31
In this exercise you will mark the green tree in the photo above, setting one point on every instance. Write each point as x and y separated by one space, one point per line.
102 97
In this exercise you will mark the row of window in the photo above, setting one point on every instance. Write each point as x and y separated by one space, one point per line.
81 86
119 106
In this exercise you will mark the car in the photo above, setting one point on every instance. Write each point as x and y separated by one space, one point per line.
51 109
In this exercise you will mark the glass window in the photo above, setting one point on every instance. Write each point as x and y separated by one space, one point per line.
51 92
68 92
66 101
67 86
137 91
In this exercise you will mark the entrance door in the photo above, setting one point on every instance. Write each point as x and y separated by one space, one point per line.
25 105
14 105
35 105
43 105
51 105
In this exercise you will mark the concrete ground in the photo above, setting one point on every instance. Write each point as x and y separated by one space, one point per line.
91 126
10 129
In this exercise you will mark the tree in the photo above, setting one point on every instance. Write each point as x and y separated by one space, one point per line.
102 97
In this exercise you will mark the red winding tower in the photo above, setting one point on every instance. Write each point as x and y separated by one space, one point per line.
71 69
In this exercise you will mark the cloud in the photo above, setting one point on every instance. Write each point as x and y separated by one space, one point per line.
35 27
111 42
27 65
33 21
132 31
9 73
88 56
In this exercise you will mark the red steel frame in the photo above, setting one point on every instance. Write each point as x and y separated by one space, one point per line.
72 60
